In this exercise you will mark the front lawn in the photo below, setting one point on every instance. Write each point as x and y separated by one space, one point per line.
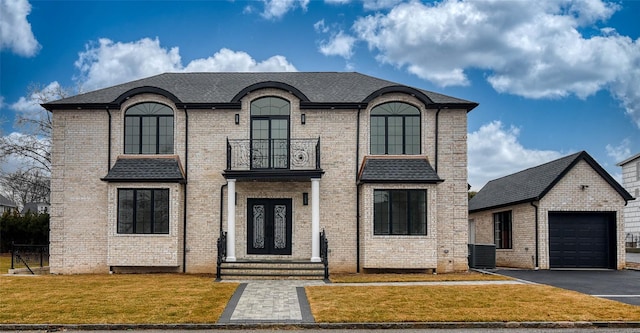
123 299
479 303
366 278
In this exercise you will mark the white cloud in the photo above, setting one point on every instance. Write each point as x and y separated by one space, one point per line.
620 152
379 4
275 9
108 63
15 30
494 151
227 60
320 27
340 44
337 2
530 49
31 104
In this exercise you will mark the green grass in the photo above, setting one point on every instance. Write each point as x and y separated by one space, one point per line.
121 299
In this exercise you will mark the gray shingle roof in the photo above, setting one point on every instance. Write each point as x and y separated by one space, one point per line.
4 201
397 170
628 160
212 88
152 169
532 184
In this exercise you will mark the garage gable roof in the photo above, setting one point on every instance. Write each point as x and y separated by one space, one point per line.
532 184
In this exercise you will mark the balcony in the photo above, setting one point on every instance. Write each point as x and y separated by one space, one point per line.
273 159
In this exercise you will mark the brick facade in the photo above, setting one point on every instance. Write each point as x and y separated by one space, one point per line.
567 195
84 238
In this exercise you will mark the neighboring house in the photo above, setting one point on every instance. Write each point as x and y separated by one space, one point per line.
6 204
147 175
631 181
36 208
567 213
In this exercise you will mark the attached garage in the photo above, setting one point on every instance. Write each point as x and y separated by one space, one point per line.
563 214
582 239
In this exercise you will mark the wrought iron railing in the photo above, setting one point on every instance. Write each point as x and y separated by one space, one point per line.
324 253
29 256
292 154
222 254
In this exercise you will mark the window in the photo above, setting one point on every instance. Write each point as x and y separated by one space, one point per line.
502 230
395 129
148 129
143 211
400 212
270 133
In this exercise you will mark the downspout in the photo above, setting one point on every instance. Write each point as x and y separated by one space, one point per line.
537 263
435 162
357 192
109 141
221 205
184 204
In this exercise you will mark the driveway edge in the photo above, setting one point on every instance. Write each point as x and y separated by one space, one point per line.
412 325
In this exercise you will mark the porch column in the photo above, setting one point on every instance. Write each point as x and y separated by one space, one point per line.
315 220
231 220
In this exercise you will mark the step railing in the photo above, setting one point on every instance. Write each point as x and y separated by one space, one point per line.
324 253
222 254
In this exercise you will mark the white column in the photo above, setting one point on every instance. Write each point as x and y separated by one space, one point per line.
315 220
231 220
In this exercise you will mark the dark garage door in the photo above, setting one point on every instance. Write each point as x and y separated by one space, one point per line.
582 240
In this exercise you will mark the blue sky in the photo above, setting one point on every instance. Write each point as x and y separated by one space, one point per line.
552 77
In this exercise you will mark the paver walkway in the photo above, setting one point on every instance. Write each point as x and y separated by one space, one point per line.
269 301
285 301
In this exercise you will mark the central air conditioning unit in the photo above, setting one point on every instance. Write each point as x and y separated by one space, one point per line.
482 256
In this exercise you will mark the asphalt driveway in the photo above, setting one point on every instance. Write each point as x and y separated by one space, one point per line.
622 286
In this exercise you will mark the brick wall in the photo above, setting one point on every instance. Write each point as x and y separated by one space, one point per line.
568 196
84 208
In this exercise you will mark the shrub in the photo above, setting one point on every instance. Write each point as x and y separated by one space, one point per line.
30 228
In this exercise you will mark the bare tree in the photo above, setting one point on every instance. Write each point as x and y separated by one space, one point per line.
30 146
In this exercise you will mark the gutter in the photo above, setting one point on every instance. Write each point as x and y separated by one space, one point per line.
221 205
184 205
537 233
435 165
109 141
358 191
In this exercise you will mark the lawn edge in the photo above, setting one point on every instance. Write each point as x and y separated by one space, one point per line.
390 325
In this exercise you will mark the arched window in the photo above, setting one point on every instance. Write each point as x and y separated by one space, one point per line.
148 129
395 129
270 133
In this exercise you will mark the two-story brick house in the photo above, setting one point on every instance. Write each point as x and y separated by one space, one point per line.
631 182
149 174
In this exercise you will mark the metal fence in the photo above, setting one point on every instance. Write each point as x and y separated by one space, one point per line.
29 256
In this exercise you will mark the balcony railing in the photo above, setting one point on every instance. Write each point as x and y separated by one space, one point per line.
270 154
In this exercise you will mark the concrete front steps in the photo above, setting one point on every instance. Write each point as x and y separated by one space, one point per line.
250 269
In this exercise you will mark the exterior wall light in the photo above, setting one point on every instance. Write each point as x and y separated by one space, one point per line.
303 118
305 198
237 118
